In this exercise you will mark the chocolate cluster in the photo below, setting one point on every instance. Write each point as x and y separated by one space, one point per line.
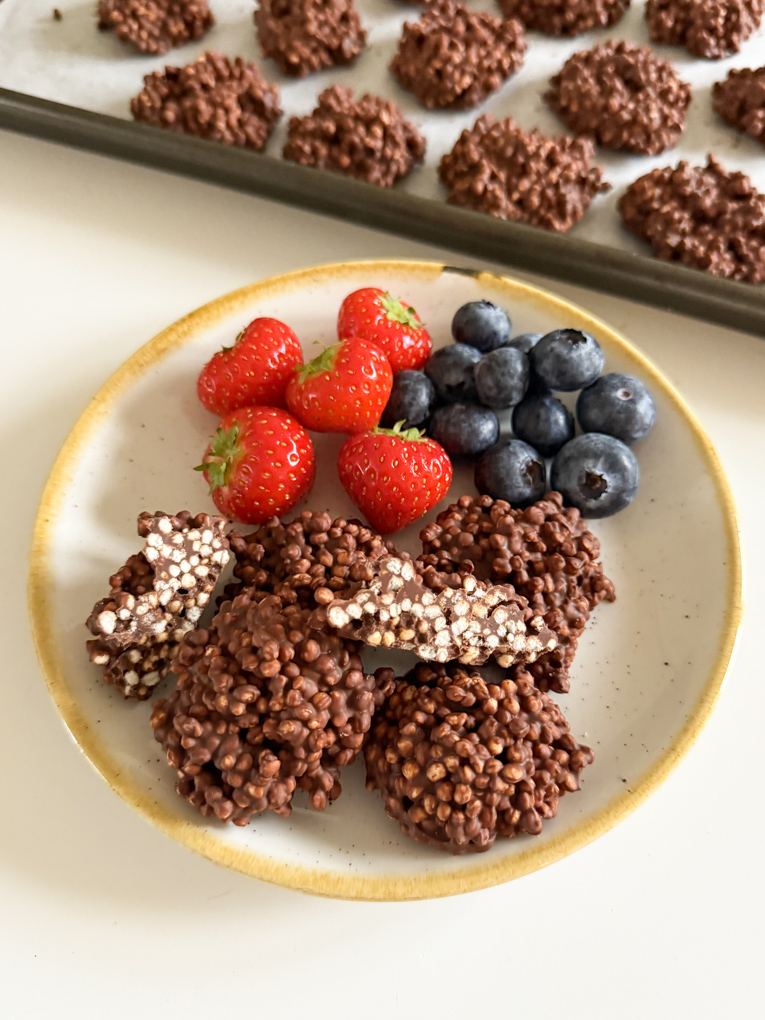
621 95
453 59
214 97
264 705
545 552
703 217
565 17
461 759
156 598
155 26
366 138
303 36
706 28
740 101
499 169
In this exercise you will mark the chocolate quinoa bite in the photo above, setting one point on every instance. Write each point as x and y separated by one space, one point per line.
453 58
366 138
702 217
497 168
460 759
706 28
545 552
621 95
264 705
156 598
564 17
740 101
303 36
155 26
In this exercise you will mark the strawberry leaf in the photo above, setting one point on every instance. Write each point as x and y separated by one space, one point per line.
410 435
323 362
218 460
396 311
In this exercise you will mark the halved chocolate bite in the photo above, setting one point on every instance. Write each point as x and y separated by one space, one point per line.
155 26
156 598
303 36
706 28
740 101
702 217
565 17
214 97
497 168
545 552
366 138
453 58
621 95
468 623
460 759
264 705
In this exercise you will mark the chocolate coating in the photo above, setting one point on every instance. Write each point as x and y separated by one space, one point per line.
565 17
155 26
303 36
706 28
740 101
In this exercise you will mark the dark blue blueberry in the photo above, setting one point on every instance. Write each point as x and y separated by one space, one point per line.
597 474
524 342
542 421
451 370
481 324
464 430
502 377
411 400
619 405
512 470
567 359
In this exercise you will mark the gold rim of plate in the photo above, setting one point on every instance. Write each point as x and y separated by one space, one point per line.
486 871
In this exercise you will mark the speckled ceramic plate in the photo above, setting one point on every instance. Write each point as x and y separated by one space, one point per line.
648 669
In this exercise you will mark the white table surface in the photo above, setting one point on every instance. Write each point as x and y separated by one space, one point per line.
101 916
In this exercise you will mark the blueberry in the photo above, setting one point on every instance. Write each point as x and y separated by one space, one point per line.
619 405
502 377
542 421
512 470
481 324
411 400
451 370
567 359
524 342
597 474
464 430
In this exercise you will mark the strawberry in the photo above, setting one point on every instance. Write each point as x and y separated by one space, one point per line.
259 464
373 314
394 477
255 370
344 389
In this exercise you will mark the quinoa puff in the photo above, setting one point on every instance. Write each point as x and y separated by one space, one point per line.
460 760
264 705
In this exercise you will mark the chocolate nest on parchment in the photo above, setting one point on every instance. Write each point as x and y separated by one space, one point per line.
621 95
564 17
740 101
497 168
366 138
453 58
156 598
264 705
460 759
303 36
703 217
214 97
155 26
545 552
706 28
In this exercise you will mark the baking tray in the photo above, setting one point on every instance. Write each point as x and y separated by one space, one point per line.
91 69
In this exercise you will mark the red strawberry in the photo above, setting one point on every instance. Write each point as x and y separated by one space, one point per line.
394 477
255 370
394 326
344 389
259 464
